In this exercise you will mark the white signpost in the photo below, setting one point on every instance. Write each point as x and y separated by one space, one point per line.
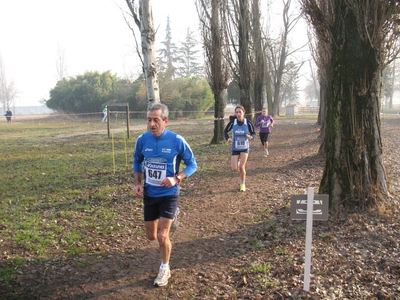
307 207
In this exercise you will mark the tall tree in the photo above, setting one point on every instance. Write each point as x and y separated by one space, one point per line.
144 20
320 42
61 66
240 48
166 59
244 55
289 86
259 58
210 12
188 60
8 91
388 82
279 53
362 40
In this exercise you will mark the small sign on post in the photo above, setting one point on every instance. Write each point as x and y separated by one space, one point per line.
298 207
309 207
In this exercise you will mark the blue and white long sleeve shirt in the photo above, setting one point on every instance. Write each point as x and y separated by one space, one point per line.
160 157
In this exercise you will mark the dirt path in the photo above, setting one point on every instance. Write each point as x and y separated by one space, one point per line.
233 245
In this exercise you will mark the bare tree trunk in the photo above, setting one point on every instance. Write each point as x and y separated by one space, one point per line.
354 174
268 84
259 58
8 92
149 58
321 52
393 83
314 81
322 113
282 58
362 39
221 99
323 85
243 56
278 82
61 66
209 12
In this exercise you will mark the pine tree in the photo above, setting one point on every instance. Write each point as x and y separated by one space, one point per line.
188 59
167 56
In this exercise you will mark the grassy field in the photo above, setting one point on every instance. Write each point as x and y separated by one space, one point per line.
51 170
61 175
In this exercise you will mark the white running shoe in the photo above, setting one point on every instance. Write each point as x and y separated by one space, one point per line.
162 278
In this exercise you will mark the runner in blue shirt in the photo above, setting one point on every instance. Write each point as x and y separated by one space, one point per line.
158 154
242 133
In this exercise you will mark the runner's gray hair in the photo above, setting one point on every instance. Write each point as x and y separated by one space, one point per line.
159 106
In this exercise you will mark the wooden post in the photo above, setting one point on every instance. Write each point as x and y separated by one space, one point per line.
127 120
108 120
127 116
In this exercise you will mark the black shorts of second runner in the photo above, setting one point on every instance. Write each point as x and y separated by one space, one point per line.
264 137
235 152
156 207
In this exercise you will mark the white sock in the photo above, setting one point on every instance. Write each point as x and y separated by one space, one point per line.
164 266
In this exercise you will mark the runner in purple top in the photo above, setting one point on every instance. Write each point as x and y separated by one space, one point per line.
265 122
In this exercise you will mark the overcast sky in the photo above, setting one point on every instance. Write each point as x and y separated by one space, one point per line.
92 34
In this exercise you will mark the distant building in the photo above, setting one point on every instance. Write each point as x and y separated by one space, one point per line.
292 109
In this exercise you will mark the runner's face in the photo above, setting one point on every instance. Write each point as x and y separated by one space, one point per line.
155 123
239 114
264 112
